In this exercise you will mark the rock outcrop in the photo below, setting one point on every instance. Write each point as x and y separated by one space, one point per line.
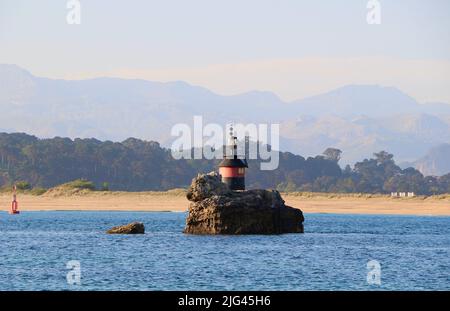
215 209
132 228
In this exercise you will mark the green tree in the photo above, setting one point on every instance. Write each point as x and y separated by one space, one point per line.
332 154
105 186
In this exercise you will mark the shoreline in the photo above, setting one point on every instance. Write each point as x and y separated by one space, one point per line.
156 211
309 203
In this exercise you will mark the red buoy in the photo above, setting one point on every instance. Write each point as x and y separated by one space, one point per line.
14 204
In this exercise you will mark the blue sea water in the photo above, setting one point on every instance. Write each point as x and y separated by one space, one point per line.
332 254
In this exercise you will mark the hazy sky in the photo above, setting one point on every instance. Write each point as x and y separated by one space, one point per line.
294 48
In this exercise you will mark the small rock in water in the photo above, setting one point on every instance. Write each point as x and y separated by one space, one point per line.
133 228
215 209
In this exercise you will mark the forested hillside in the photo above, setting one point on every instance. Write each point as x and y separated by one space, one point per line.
137 165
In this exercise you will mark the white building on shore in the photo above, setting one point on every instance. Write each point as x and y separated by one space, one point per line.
403 194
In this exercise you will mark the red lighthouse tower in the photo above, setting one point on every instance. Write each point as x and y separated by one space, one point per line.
232 169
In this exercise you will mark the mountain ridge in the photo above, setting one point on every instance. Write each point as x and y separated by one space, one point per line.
115 108
435 162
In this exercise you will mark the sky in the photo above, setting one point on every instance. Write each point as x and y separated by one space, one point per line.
293 48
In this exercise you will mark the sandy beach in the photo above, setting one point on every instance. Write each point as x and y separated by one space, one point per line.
175 201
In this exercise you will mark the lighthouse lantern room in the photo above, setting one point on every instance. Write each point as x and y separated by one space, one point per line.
232 169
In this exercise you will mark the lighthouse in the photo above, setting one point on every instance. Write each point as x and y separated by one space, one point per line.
232 169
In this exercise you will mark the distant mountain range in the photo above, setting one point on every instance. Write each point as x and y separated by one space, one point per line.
358 119
436 162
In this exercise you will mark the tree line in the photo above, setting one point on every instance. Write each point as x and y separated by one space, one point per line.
138 165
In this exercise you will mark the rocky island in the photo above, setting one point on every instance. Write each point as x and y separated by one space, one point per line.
215 209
